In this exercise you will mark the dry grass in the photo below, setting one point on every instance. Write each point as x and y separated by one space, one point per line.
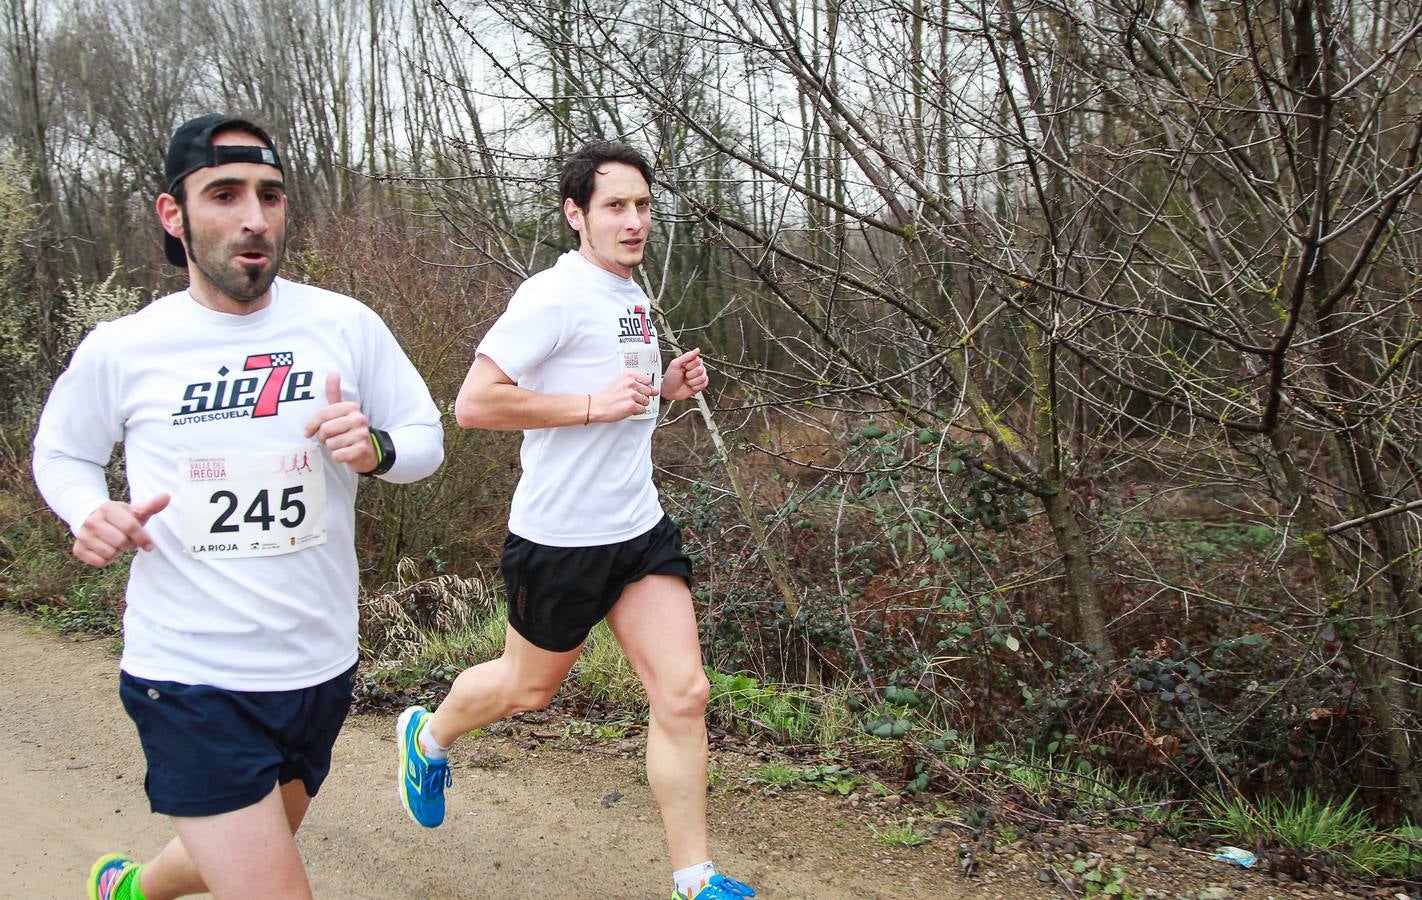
436 620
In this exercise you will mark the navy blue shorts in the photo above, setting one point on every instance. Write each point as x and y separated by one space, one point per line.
557 594
213 751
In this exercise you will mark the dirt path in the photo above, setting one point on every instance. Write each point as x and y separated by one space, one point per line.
71 773
527 818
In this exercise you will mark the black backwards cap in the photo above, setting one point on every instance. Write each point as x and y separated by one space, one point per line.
191 149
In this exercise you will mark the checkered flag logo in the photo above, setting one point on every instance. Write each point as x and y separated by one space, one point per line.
267 361
279 364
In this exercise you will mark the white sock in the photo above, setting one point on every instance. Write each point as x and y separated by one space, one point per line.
693 878
429 746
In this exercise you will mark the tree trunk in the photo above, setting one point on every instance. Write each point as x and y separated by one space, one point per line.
1336 612
1056 499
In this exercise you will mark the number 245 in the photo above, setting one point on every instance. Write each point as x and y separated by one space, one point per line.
259 511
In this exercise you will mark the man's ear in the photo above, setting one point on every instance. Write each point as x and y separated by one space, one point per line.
573 214
170 215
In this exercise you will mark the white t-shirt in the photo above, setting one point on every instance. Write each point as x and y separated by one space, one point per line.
196 396
571 329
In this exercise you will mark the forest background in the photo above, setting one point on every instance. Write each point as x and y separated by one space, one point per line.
1065 413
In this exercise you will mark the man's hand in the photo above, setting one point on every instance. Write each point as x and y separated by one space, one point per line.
628 395
114 528
343 429
686 376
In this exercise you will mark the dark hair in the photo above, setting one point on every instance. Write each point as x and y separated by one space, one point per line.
579 174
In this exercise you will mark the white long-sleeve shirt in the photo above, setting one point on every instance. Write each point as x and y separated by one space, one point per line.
192 393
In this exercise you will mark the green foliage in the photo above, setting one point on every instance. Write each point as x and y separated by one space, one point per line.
36 568
977 501
832 779
787 713
604 673
1199 541
899 835
397 680
834 722
896 716
903 579
1395 854
1099 880
921 523
93 605
1306 825
776 775
1061 778
742 701
1248 697
37 571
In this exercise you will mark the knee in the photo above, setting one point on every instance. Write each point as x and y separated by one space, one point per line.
685 698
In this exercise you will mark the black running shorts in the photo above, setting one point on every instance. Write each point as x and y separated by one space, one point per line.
557 594
213 751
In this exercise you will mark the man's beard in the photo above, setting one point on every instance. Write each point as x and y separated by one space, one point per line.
240 282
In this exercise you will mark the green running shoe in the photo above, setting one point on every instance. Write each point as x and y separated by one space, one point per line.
108 874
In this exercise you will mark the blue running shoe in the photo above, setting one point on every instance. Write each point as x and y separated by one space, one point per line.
422 780
719 887
108 874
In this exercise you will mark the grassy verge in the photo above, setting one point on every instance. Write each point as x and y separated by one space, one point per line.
1305 829
39 577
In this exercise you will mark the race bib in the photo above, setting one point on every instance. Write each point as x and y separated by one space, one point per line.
252 504
637 346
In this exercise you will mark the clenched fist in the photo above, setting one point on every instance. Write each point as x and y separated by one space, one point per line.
628 395
686 376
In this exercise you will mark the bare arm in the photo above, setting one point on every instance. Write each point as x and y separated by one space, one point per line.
489 399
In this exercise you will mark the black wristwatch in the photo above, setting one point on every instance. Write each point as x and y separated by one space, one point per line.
384 452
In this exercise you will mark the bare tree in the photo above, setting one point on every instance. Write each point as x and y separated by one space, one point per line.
1061 227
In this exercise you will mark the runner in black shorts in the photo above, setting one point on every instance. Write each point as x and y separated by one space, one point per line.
588 539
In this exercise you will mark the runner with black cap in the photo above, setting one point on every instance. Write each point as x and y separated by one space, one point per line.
247 406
